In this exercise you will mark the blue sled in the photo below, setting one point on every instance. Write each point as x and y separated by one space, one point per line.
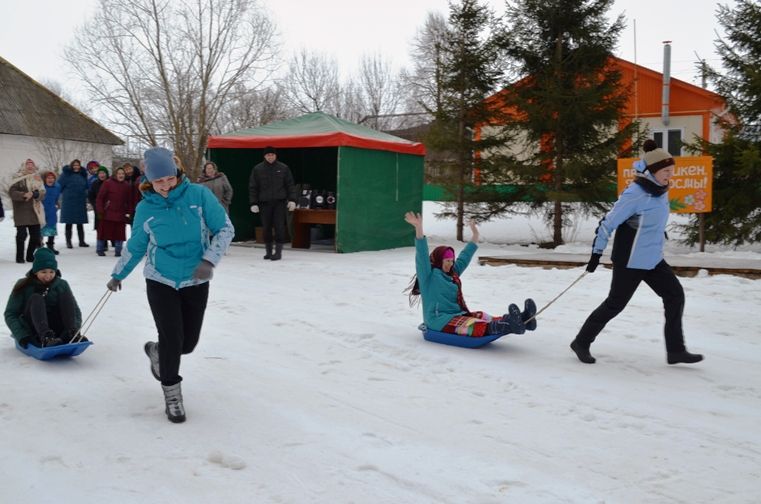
47 353
456 339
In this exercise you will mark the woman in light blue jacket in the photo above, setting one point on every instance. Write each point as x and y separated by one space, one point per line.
437 283
182 231
639 219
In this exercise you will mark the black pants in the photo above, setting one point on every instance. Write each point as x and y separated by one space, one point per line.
35 241
273 215
178 315
80 233
625 281
61 319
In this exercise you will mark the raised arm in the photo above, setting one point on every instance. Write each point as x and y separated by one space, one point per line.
416 221
474 231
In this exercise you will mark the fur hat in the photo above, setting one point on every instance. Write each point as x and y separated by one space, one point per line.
159 163
44 258
657 159
269 150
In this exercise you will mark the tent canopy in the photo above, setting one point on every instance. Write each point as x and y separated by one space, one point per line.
314 130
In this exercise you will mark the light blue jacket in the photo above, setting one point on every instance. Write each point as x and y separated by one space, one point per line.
647 214
175 233
437 290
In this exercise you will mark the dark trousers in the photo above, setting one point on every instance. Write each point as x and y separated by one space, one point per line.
80 233
61 319
625 281
273 214
178 315
35 241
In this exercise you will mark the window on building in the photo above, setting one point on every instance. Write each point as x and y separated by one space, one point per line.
670 140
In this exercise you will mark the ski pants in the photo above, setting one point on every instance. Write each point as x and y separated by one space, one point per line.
178 314
60 318
625 281
273 214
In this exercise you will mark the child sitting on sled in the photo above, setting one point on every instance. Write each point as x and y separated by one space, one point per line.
437 283
41 309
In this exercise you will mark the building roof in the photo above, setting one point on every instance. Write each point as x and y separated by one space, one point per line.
317 129
28 108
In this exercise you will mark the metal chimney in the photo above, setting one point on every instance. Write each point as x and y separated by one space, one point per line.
666 82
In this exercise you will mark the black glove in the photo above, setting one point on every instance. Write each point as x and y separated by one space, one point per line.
36 194
204 271
593 262
114 285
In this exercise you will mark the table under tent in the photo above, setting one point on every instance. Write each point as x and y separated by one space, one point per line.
362 181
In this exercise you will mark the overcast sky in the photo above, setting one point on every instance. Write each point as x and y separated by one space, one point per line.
35 31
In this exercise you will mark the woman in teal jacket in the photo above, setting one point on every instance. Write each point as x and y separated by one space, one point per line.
182 231
437 282
41 309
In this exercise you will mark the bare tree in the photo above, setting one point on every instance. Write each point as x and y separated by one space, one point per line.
312 82
425 81
381 91
251 108
165 69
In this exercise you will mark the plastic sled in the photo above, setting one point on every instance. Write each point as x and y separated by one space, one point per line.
47 353
456 339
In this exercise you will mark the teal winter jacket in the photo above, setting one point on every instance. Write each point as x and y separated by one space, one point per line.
175 234
437 290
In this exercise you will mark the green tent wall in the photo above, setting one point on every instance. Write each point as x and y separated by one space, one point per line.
377 177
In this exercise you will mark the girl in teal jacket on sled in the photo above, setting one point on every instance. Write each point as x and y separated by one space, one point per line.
437 283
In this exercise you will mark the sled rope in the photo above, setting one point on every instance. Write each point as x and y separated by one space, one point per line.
556 297
92 316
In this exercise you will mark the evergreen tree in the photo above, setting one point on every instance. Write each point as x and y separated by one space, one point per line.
564 115
736 216
468 73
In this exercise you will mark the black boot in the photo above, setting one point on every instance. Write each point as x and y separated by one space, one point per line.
529 311
582 352
30 250
268 248
68 236
20 251
684 357
278 252
81 234
51 244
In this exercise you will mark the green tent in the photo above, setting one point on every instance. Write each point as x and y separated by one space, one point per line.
376 176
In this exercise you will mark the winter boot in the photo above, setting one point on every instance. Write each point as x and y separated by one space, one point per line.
30 250
278 252
81 234
684 357
529 310
582 352
51 244
19 251
68 236
175 411
268 248
49 339
514 319
152 351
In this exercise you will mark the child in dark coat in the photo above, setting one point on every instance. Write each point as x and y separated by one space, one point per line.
41 309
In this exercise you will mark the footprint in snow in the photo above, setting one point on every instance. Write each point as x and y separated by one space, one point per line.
226 461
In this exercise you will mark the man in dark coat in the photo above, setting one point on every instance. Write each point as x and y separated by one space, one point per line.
271 191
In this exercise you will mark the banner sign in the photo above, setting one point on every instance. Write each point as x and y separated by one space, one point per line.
689 189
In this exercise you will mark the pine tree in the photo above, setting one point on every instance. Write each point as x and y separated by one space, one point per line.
736 216
469 73
564 115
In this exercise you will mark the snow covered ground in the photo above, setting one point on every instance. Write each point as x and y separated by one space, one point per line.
311 384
